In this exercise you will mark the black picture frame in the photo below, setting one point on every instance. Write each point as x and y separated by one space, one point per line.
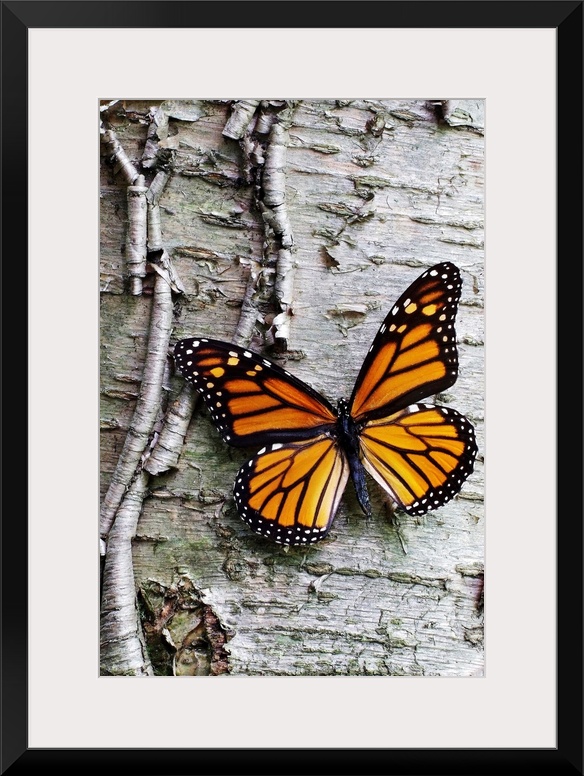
566 18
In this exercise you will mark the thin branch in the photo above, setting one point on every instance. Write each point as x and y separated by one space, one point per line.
275 214
157 131
153 197
148 404
160 261
274 209
122 649
169 445
136 234
284 286
122 645
167 450
118 156
166 453
249 311
157 186
241 117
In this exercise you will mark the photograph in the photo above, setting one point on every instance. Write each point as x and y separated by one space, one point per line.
292 387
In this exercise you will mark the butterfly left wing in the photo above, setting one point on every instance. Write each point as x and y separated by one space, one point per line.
289 493
252 401
421 456
414 353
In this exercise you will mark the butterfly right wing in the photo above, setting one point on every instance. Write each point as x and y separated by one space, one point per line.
290 492
414 353
420 456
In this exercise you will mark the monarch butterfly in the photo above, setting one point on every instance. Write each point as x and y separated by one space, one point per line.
420 454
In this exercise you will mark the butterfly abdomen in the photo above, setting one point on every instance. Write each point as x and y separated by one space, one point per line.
348 437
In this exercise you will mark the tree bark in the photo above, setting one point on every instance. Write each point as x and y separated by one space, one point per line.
290 227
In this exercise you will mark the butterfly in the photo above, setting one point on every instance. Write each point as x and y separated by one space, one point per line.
419 454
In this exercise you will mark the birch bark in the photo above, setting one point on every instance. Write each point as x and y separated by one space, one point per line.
296 225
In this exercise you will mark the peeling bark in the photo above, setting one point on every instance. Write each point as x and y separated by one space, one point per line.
184 635
161 264
284 286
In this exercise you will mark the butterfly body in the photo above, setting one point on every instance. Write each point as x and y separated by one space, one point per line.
419 454
348 438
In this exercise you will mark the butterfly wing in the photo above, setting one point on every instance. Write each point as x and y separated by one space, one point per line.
414 353
289 493
420 456
252 401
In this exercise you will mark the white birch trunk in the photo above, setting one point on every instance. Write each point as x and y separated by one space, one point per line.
307 230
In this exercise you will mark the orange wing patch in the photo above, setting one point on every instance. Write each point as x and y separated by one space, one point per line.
420 456
252 400
414 353
290 493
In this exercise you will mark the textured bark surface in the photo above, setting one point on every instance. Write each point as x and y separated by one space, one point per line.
355 198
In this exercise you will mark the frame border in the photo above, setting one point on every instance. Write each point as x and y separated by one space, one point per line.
566 17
